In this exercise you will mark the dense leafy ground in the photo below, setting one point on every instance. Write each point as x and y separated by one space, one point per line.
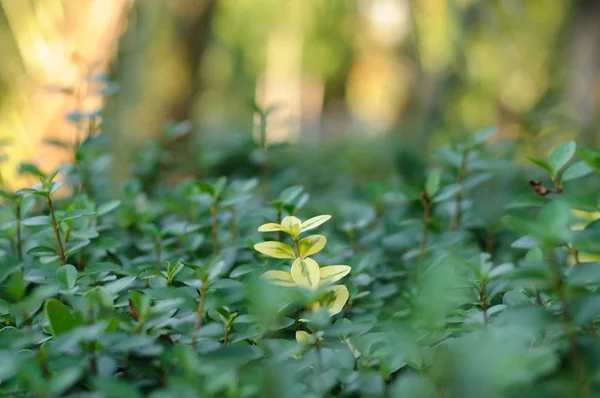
459 280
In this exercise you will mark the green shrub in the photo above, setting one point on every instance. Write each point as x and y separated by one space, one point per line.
461 281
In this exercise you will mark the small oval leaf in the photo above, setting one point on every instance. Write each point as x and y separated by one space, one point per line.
275 249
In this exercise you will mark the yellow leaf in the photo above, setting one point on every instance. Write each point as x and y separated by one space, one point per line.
311 244
279 278
302 336
305 272
339 299
270 227
333 273
314 222
291 225
275 249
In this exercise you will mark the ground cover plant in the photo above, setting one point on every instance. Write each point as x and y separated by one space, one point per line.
474 277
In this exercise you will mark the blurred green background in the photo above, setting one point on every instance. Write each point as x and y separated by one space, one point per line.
415 72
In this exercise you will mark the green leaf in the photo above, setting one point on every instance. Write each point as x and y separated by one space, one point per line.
100 296
60 317
54 186
141 302
52 176
73 214
432 183
541 163
585 309
39 251
288 195
413 385
115 388
220 314
553 223
591 157
107 207
16 285
37 221
447 192
119 284
30 191
174 270
586 274
500 270
576 170
561 156
219 186
63 380
66 275
515 299
207 188
30 168
98 268
73 245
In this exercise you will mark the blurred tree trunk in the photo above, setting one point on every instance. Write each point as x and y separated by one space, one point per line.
584 56
158 72
335 115
193 24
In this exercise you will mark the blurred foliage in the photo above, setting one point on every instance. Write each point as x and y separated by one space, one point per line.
462 279
421 71
463 258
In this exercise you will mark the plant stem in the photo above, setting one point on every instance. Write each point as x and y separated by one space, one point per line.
68 233
61 250
279 222
19 238
199 312
462 173
226 337
297 247
352 239
158 245
214 231
426 216
573 349
575 254
483 301
232 224
489 243
558 188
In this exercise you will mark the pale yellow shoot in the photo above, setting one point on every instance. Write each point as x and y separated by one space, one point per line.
270 227
305 272
314 222
279 278
341 296
311 244
332 274
275 249
302 336
291 225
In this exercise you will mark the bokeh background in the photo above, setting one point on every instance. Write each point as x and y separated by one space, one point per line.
330 72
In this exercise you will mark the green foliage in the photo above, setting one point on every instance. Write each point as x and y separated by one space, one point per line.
461 281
